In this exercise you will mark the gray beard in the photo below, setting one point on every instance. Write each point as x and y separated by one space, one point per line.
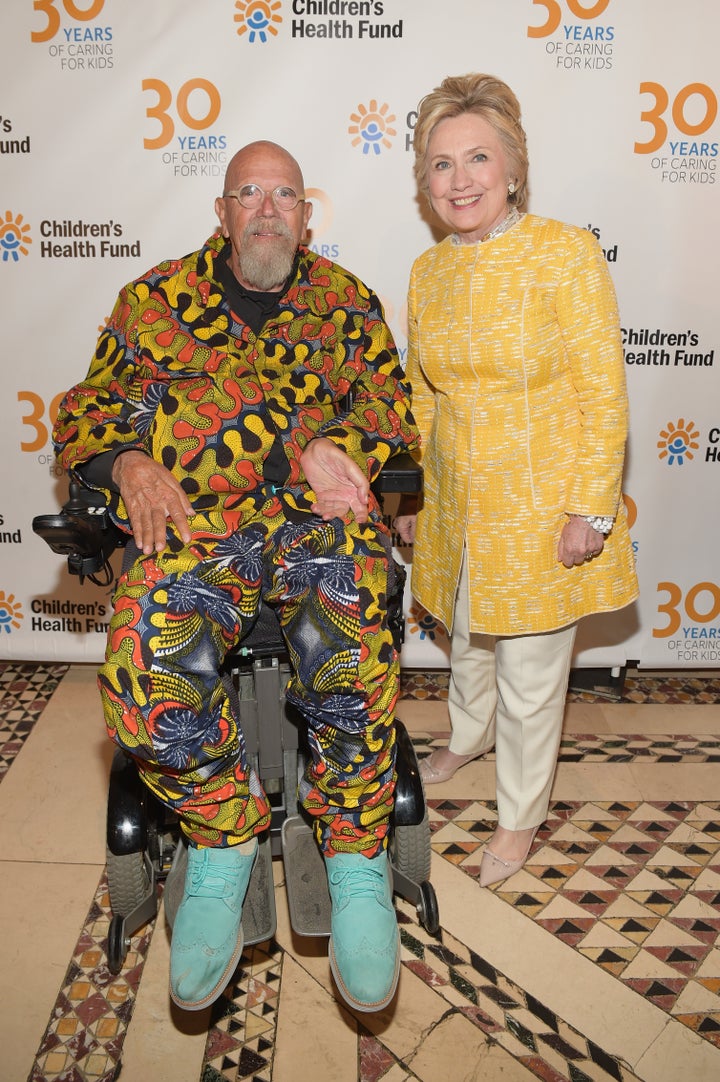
263 269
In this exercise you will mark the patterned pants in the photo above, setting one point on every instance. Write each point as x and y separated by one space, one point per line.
176 615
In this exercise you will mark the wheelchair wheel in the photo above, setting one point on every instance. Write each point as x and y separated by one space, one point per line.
410 850
118 943
133 901
128 882
427 908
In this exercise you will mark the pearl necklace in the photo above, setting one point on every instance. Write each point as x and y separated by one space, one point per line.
513 216
508 222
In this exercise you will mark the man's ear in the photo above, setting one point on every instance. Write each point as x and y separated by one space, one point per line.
307 213
220 211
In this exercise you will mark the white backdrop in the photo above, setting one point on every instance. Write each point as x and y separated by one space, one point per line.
117 118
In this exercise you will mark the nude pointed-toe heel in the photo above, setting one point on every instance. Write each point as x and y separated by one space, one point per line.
432 774
494 869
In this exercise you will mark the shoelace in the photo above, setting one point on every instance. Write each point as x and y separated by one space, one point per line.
358 882
211 882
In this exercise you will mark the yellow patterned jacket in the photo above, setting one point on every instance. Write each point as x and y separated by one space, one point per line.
518 380
177 373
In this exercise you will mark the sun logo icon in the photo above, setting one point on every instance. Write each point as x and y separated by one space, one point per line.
678 441
10 612
423 624
372 127
256 18
14 237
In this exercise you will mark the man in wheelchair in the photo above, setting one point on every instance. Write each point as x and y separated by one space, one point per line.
239 404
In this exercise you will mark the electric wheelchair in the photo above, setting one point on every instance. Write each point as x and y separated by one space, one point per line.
144 845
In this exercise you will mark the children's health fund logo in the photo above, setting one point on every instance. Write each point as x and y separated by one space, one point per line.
680 442
11 613
259 21
372 128
15 237
688 615
65 238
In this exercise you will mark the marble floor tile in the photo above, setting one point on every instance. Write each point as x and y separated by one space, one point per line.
63 819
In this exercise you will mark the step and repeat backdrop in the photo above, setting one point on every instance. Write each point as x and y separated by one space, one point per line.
117 120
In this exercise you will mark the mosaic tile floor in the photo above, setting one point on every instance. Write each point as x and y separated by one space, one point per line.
637 687
633 887
25 689
628 888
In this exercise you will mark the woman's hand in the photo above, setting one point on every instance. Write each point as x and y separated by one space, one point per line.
405 520
405 526
339 484
579 542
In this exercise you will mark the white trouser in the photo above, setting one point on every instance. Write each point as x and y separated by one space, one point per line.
510 691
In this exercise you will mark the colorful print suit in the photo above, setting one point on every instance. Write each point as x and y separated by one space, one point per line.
228 409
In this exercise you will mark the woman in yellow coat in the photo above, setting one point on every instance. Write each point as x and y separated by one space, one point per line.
518 381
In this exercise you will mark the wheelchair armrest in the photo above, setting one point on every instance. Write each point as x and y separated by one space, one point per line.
401 473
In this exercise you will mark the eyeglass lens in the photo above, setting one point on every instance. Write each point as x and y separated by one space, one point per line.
252 195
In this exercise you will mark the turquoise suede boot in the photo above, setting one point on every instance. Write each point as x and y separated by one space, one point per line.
364 939
207 938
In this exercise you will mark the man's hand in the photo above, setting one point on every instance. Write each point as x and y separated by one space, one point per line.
579 542
339 484
152 496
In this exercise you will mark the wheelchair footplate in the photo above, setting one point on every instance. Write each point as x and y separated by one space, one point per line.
305 879
259 917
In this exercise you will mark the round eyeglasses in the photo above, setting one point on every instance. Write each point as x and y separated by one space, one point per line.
252 196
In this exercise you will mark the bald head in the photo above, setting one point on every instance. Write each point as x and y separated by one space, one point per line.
261 157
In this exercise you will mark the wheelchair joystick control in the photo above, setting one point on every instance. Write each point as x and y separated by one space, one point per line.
84 533
75 504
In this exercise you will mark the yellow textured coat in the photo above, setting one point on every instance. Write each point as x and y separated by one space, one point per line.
518 381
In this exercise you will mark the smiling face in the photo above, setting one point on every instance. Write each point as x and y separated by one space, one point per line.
468 173
264 240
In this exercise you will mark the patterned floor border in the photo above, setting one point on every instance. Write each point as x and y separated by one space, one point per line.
84 1037
600 748
637 687
241 1037
524 1027
25 690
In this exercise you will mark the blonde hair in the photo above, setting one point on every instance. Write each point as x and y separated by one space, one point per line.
489 98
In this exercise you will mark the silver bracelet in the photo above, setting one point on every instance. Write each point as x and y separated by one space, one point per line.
602 523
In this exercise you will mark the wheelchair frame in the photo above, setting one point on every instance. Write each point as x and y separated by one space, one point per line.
144 845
